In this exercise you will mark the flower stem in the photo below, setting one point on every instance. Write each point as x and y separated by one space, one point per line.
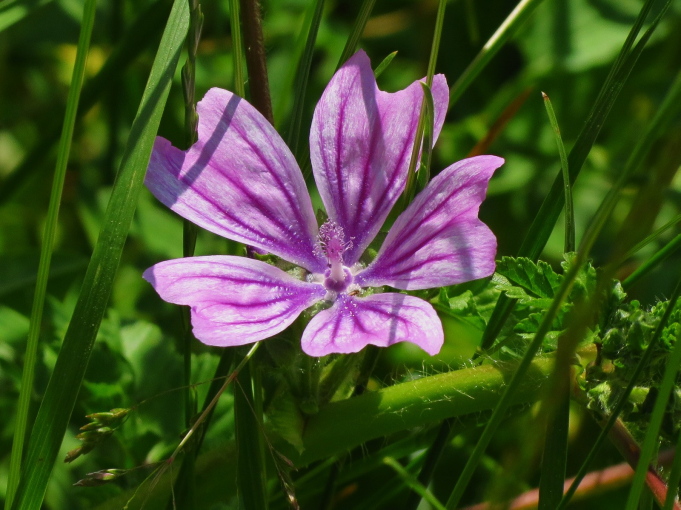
255 58
184 484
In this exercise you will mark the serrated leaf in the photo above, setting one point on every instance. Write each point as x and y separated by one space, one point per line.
538 279
519 294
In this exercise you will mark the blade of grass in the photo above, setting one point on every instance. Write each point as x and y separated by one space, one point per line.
509 392
302 77
63 387
554 458
237 48
521 13
424 116
651 441
674 477
649 239
567 189
303 155
546 217
548 213
583 315
664 253
559 374
139 36
384 64
250 453
282 103
623 401
22 426
413 483
357 31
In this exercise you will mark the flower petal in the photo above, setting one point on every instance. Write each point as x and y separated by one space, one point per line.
360 146
380 319
234 300
239 181
439 240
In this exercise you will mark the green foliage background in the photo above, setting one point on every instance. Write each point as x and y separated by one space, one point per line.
565 50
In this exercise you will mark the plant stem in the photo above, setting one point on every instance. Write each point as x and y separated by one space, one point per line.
251 23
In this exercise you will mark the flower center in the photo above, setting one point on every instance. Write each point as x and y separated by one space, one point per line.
332 244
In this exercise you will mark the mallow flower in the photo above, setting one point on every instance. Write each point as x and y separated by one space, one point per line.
241 181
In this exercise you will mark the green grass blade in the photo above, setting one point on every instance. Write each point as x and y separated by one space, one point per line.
511 24
650 443
567 189
250 459
649 239
554 458
12 11
140 35
302 76
357 30
384 64
509 392
22 426
674 476
413 483
664 253
550 210
428 133
548 213
64 384
237 48
426 115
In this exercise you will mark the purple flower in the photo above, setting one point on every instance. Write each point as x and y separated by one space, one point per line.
240 181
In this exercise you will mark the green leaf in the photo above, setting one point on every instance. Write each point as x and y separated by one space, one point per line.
534 279
62 390
471 307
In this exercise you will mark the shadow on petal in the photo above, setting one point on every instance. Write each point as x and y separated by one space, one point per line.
380 319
